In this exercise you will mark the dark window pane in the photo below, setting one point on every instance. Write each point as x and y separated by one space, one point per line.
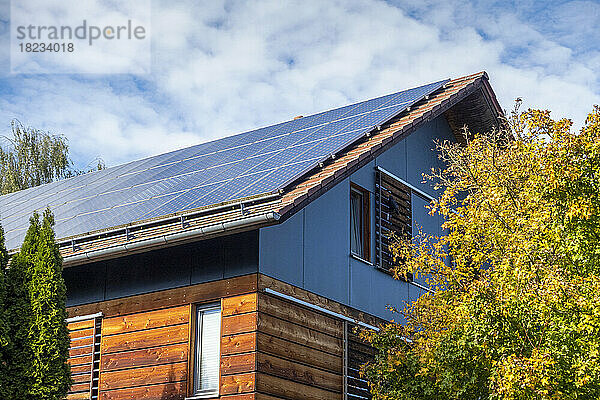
356 223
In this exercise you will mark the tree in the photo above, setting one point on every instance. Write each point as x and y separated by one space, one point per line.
48 335
37 367
17 313
35 157
4 329
514 307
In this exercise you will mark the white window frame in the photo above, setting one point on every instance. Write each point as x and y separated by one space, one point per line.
197 393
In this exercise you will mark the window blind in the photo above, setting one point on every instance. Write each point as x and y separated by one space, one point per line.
208 345
357 353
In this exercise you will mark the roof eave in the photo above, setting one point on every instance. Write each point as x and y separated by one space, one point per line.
305 188
172 239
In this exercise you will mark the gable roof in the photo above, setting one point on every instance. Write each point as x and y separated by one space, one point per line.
238 182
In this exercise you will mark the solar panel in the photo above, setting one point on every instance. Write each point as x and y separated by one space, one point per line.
247 164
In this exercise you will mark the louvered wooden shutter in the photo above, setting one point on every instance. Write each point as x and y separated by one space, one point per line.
393 215
84 356
357 353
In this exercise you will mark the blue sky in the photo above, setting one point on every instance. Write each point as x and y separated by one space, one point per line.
222 67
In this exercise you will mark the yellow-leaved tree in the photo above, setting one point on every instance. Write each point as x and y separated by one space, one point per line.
514 306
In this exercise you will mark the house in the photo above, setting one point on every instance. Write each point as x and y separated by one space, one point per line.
238 268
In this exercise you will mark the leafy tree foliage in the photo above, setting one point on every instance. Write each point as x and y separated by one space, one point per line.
35 157
514 310
38 351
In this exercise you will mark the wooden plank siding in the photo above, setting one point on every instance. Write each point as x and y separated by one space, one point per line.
274 349
144 355
300 351
271 348
239 325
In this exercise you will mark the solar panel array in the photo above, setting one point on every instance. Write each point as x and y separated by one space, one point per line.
257 162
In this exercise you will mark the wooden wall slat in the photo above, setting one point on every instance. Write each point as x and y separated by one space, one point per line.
80 369
239 304
262 396
300 315
166 373
244 396
144 339
81 351
234 384
301 373
238 363
236 324
271 349
75 335
291 390
82 378
299 334
141 358
241 343
78 396
170 391
304 354
85 324
147 320
80 360
80 387
85 341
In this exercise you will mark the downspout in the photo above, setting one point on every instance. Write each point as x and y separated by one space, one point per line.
171 238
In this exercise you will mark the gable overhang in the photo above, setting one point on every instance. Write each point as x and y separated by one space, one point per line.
460 99
468 101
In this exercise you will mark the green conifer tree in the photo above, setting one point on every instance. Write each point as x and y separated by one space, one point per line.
4 335
48 335
18 315
37 365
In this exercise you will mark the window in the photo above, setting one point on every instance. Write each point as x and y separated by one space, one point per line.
207 351
360 238
393 217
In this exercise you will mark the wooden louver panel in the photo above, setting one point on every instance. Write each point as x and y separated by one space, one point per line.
357 353
84 358
393 216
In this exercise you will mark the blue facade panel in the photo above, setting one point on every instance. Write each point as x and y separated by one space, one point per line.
322 264
282 250
394 160
326 246
421 154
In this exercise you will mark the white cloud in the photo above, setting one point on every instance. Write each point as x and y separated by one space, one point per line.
220 67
